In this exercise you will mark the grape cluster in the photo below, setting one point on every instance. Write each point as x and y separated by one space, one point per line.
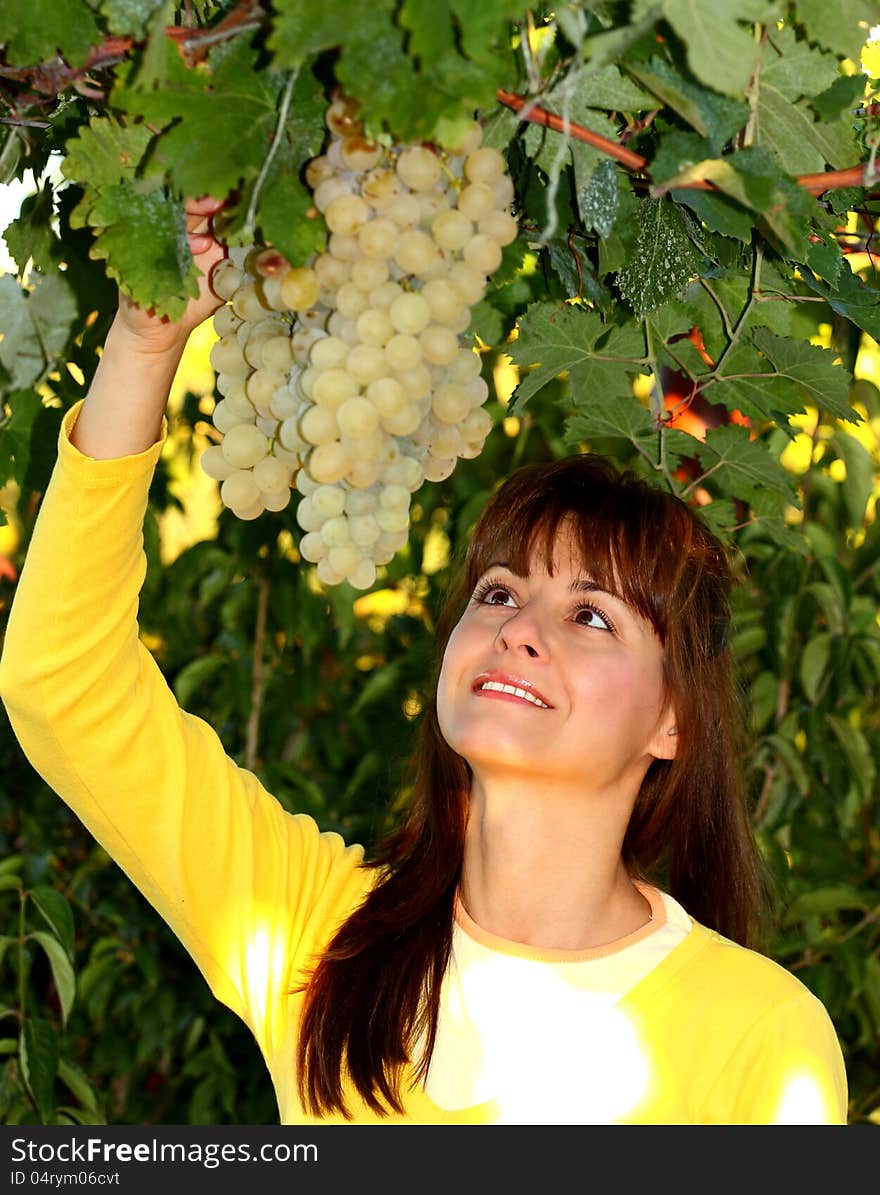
347 377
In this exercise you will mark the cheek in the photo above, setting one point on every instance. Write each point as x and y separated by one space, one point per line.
449 670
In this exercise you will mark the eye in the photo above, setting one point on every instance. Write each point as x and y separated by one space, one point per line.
585 613
493 593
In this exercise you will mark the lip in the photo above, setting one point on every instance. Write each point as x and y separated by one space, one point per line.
506 678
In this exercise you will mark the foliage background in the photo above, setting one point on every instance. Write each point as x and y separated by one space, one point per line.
722 342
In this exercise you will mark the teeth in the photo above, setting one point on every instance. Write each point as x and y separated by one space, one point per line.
498 687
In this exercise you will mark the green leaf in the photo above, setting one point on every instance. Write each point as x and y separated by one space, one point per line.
31 237
786 751
35 326
80 1086
105 152
813 369
599 202
600 417
858 754
559 338
742 467
835 24
219 122
843 94
141 234
431 30
38 1053
814 662
607 88
57 914
716 117
825 258
283 218
62 971
826 901
850 297
129 16
664 260
859 483
786 131
409 77
829 601
795 68
575 270
36 30
622 418
193 676
779 383
720 52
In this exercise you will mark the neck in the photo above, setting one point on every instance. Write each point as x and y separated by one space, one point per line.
545 868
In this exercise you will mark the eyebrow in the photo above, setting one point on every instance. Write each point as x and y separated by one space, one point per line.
579 585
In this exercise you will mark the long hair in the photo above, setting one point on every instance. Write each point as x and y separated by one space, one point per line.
375 994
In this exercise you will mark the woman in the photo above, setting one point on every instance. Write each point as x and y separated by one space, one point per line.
565 926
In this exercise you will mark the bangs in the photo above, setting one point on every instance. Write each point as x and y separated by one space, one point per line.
634 540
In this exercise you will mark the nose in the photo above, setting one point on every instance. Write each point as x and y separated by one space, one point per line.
520 633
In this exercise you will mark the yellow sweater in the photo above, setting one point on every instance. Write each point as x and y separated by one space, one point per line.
701 1031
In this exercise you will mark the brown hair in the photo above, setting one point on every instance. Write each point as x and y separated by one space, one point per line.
375 993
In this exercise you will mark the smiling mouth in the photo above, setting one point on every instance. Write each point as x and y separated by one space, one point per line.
494 686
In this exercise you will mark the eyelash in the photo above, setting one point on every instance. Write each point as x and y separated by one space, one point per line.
488 586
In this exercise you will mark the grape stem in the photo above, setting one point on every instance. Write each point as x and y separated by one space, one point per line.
284 108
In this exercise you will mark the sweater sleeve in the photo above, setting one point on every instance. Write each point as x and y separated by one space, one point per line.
247 887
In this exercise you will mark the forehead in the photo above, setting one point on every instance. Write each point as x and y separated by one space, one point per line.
611 548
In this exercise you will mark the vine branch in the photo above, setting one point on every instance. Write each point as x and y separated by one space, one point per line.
861 175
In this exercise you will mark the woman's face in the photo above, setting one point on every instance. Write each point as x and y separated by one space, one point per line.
545 676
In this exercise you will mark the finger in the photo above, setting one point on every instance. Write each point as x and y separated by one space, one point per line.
200 243
198 224
206 205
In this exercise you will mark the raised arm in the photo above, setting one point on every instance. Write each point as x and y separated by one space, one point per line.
245 886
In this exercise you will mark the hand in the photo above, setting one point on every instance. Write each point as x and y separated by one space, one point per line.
158 333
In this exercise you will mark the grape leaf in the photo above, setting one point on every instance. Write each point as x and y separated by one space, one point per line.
608 88
36 30
743 467
718 213
283 218
559 338
575 271
800 145
664 260
141 234
717 117
451 67
601 416
835 24
31 237
35 326
813 368
431 33
129 16
219 122
842 95
788 373
850 297
719 51
794 68
599 201
105 152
